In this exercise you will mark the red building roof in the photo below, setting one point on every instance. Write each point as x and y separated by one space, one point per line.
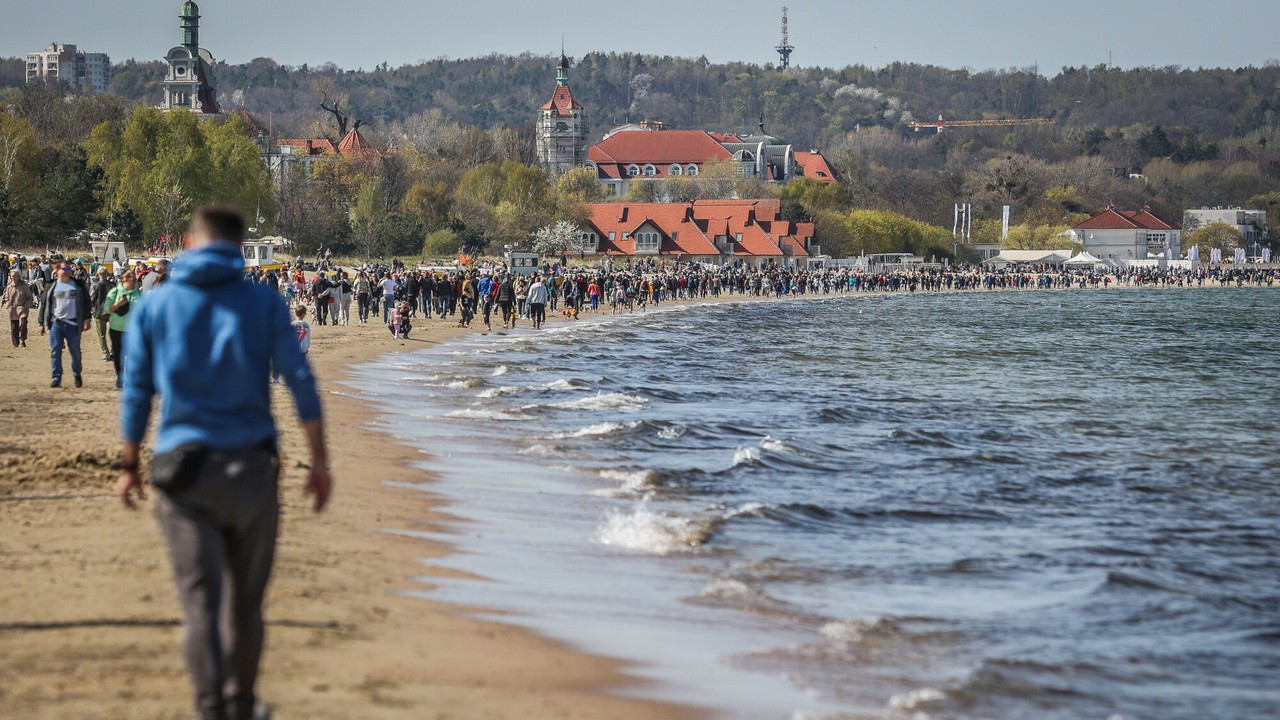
660 148
355 144
746 227
562 101
813 165
1112 219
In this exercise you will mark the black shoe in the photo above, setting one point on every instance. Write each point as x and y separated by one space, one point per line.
79 382
55 384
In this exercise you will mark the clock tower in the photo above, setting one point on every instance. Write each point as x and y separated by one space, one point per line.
188 82
562 127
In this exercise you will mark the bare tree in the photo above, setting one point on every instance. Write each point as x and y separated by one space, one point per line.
338 106
169 204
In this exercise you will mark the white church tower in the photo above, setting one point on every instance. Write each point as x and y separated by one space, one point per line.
562 127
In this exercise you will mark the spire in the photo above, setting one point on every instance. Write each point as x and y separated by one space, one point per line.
190 23
562 70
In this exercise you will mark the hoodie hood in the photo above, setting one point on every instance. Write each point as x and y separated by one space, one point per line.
213 264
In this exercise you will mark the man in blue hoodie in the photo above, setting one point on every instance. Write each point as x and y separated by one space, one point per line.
205 342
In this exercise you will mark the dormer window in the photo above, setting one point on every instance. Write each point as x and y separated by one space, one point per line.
647 242
633 170
650 171
675 170
691 170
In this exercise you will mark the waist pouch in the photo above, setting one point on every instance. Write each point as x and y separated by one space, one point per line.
179 468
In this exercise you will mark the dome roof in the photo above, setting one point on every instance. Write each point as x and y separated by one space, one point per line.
190 9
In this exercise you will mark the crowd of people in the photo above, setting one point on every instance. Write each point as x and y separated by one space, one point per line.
71 294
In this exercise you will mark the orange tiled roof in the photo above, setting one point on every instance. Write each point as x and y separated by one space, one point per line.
660 148
562 101
1112 219
691 229
814 165
355 144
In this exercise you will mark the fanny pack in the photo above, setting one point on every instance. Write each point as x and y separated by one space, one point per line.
179 468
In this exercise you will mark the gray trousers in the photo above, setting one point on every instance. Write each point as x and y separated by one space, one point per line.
221 533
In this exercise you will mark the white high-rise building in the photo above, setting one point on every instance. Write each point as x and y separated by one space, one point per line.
64 63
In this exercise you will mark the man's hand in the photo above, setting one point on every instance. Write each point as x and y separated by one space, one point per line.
42 330
319 484
129 481
88 324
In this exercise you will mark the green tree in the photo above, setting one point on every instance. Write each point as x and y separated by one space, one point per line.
581 185
430 203
1214 236
367 215
66 198
441 244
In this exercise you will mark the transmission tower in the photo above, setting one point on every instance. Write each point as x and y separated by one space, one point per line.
784 48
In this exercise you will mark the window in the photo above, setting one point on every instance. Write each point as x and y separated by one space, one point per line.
248 252
588 242
647 242
633 170
650 171
675 170
692 170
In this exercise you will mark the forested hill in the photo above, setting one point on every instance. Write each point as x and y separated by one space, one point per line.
809 106
1166 138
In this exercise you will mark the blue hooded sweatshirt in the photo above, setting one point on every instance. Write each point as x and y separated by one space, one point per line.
205 342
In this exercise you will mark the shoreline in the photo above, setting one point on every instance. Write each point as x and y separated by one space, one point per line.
90 620
91 626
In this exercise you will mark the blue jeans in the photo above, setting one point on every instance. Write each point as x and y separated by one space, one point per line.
387 302
67 333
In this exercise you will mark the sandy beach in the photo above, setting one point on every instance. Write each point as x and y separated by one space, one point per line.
89 622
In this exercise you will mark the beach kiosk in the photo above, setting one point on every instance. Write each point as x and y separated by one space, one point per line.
109 254
260 255
523 263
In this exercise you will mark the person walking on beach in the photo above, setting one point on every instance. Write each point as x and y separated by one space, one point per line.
65 312
537 297
507 301
157 277
19 299
98 292
119 303
206 343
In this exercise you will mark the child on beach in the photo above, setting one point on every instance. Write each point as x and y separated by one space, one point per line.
301 330
399 322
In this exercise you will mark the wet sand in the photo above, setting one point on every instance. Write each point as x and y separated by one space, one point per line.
89 623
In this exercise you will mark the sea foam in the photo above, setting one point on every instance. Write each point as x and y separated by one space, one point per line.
647 531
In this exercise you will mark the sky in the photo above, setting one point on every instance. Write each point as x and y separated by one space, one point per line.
977 34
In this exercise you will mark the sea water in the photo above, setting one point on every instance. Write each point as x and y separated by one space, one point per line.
1005 505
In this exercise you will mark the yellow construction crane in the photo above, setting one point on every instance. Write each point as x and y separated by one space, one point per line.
941 124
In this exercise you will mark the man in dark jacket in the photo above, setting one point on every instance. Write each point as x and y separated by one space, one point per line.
65 311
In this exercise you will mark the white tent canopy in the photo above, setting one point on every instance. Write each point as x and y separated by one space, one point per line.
1084 259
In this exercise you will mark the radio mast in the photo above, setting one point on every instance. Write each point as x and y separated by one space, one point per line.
784 48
